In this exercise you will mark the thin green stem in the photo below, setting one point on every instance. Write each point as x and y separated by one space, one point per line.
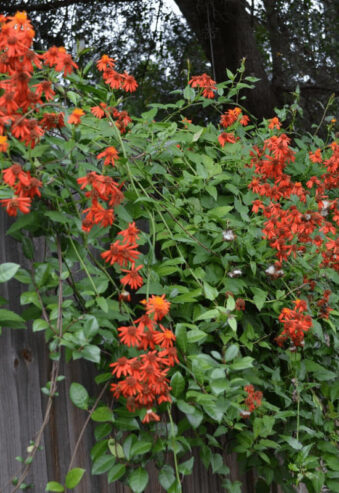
174 452
83 265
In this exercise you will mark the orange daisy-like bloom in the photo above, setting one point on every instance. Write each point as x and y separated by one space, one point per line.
131 335
121 254
158 306
230 117
165 338
75 116
3 143
15 173
129 84
110 154
150 416
16 203
122 367
130 234
104 62
132 278
98 111
315 157
226 137
244 120
274 123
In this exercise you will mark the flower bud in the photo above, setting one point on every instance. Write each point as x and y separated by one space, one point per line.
228 235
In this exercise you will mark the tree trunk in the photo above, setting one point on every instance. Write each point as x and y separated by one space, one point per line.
225 32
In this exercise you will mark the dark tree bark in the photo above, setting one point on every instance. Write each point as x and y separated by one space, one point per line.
225 32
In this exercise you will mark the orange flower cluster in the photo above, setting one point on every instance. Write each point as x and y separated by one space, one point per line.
122 119
145 381
295 324
231 116
252 401
115 80
110 154
102 188
206 83
17 60
25 188
287 229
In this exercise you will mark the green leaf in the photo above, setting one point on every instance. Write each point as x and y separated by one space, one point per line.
186 467
139 448
39 324
166 476
219 385
208 315
116 472
79 396
138 480
231 352
232 322
58 217
197 135
230 304
177 384
102 464
11 319
102 414
259 297
220 212
210 292
102 303
32 219
8 270
195 335
54 486
74 477
293 442
189 93
242 363
181 337
195 419
91 353
116 449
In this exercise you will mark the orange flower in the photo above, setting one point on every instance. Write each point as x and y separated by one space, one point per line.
121 254
132 278
98 111
3 143
110 154
150 416
244 120
104 62
131 335
315 157
129 83
165 338
226 137
122 367
75 116
16 203
274 123
158 306
130 234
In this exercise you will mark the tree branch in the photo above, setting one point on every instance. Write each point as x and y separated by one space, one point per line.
46 7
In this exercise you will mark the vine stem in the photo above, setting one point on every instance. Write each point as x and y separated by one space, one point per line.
85 426
54 377
83 264
174 452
